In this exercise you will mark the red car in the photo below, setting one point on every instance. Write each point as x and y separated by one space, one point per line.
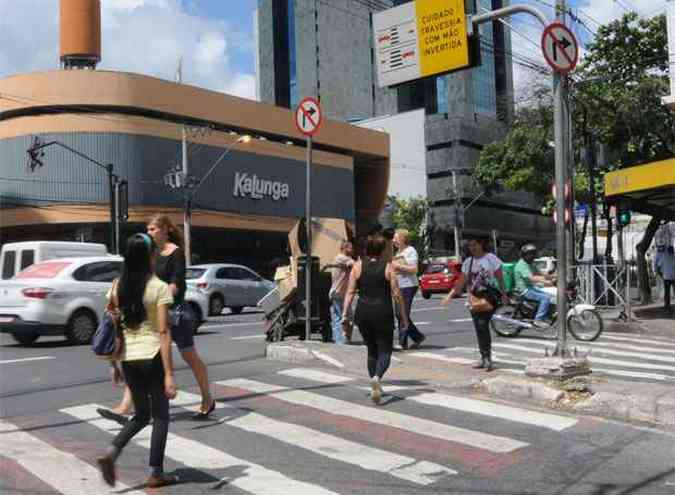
439 278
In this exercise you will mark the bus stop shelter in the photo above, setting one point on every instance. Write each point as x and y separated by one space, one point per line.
648 188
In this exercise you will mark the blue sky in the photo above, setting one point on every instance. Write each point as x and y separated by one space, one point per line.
215 37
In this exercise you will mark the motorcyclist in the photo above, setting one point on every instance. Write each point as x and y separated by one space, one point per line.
527 277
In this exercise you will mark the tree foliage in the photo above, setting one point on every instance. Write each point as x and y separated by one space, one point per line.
411 214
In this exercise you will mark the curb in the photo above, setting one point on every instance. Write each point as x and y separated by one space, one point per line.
514 387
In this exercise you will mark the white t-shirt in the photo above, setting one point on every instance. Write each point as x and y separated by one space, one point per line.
409 254
482 269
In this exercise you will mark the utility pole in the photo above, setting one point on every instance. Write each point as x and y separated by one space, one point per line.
561 122
187 202
591 164
458 213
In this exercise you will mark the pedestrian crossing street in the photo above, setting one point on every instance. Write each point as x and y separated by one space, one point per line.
625 357
276 435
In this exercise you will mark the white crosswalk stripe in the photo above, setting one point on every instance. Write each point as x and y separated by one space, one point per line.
256 479
627 357
481 407
48 463
399 466
420 426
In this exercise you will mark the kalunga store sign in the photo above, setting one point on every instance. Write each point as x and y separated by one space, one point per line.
250 186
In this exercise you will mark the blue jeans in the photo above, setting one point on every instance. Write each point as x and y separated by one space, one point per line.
543 298
408 294
336 305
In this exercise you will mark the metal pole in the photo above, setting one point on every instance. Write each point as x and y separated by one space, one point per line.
308 254
118 233
494 240
458 212
187 217
111 197
629 304
591 164
560 118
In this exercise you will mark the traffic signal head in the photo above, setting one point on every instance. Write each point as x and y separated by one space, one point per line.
623 217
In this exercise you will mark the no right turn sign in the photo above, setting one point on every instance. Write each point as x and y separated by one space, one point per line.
560 47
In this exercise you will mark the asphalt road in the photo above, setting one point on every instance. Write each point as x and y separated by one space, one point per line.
280 430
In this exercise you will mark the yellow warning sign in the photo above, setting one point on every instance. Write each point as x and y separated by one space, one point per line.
420 39
441 32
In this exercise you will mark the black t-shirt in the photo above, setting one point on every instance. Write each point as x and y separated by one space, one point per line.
171 269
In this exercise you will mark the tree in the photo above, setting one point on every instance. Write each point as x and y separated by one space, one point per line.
411 214
615 97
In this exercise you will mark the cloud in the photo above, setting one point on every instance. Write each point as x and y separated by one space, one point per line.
143 36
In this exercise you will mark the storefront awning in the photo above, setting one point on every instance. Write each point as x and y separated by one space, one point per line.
648 188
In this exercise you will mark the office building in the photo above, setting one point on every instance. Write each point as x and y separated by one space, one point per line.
325 50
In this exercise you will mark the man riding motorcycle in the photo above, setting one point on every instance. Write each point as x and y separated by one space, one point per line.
526 277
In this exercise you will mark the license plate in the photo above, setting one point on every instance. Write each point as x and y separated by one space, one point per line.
6 319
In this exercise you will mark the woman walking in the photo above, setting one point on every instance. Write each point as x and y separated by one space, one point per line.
479 272
376 283
405 266
142 304
170 267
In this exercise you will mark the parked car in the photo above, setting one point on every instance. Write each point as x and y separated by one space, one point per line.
57 297
439 278
16 256
213 287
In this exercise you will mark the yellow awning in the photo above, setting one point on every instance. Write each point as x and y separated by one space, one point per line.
648 188
649 176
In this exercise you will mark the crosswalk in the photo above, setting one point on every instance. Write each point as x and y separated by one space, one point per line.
627 357
276 434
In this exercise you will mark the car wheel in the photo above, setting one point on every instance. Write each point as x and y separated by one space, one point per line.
216 305
81 327
426 295
25 338
236 310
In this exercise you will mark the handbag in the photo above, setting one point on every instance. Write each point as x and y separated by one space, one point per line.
106 341
182 319
477 303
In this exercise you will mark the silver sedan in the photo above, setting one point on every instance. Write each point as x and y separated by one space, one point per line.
214 287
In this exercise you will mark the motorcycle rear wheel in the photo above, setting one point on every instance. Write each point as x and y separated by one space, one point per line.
586 326
503 328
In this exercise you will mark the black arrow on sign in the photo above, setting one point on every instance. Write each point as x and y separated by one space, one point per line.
564 42
308 113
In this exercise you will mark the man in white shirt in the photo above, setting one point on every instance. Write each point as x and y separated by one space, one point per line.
405 265
665 267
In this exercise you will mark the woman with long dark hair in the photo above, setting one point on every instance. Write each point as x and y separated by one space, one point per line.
143 302
170 267
375 280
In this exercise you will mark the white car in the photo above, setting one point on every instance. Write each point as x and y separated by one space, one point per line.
214 287
64 296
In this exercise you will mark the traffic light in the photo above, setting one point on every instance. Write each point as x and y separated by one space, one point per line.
623 217
567 196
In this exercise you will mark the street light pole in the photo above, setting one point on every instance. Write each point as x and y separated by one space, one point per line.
187 214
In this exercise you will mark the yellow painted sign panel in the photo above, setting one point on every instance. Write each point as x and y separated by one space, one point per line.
643 177
441 32
420 39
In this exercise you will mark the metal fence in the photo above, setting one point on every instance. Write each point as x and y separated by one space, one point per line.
605 286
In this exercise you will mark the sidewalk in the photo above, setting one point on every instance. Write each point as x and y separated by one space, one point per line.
652 404
650 319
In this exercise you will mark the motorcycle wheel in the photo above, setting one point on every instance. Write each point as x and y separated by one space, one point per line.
501 327
586 326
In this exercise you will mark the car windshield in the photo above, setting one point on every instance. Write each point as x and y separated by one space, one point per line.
48 269
435 269
192 273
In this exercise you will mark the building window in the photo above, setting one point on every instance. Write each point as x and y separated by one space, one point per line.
292 56
442 94
484 89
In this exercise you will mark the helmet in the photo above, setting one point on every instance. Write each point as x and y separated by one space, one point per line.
528 248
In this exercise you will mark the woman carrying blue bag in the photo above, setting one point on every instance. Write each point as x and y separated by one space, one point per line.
142 302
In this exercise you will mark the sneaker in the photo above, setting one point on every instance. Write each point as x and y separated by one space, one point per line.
161 480
540 324
488 364
416 345
480 364
375 390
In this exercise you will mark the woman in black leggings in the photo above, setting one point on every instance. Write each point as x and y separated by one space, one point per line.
375 281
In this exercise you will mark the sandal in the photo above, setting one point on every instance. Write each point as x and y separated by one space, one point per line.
161 480
204 414
107 466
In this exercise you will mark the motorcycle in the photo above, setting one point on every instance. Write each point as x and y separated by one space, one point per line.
583 320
